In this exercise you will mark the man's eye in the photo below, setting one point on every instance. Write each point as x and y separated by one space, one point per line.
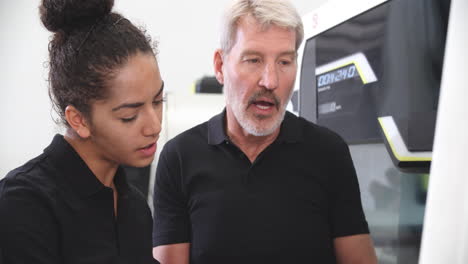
253 60
127 120
285 62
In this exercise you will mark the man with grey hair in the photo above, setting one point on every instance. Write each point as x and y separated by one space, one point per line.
256 184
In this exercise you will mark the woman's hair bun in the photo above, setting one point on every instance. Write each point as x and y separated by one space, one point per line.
67 15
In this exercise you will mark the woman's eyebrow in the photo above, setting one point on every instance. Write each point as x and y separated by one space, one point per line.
127 105
136 104
160 89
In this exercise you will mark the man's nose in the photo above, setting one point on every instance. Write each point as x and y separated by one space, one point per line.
269 78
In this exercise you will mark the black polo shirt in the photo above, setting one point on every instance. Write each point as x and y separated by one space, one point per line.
53 209
285 207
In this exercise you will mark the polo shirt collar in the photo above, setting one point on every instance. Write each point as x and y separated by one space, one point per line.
75 170
216 131
290 131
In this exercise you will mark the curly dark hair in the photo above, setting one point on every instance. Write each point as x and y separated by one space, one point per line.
89 44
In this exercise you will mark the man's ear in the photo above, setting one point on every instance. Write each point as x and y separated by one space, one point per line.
218 65
77 121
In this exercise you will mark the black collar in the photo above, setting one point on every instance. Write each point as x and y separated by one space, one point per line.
290 131
75 170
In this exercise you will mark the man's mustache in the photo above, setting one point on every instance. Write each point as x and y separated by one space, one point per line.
265 94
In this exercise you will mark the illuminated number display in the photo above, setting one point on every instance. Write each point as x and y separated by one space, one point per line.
341 74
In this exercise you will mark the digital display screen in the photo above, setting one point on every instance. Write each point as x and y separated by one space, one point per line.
340 98
347 61
341 74
332 99
344 98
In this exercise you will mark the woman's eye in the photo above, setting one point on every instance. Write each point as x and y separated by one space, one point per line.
127 120
158 102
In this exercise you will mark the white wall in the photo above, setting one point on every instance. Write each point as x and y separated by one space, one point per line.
445 233
186 30
26 125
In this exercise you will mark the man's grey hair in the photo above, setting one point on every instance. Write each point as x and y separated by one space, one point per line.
266 12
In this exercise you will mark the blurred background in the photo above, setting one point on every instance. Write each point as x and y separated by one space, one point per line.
187 32
394 103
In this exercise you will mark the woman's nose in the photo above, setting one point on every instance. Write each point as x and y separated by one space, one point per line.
152 126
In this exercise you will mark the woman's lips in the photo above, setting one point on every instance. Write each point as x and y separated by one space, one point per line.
148 150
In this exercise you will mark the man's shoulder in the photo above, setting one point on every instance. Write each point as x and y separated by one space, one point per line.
188 139
198 132
314 133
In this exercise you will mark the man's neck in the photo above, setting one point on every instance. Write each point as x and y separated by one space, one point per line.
251 145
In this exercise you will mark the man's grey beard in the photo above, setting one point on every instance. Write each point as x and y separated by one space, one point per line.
250 128
250 125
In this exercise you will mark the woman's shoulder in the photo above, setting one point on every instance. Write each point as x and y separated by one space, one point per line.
31 184
32 176
137 205
25 211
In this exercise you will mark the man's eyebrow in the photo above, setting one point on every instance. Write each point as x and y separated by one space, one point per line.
292 53
137 104
250 53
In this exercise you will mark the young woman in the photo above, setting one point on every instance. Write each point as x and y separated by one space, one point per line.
72 204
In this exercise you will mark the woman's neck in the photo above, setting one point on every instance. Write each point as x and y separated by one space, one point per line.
104 170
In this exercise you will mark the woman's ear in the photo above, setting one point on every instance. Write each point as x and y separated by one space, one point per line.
77 121
218 65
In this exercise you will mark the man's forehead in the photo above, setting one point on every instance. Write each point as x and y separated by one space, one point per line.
249 25
255 39
252 23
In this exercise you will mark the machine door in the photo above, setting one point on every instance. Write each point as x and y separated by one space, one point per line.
375 80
